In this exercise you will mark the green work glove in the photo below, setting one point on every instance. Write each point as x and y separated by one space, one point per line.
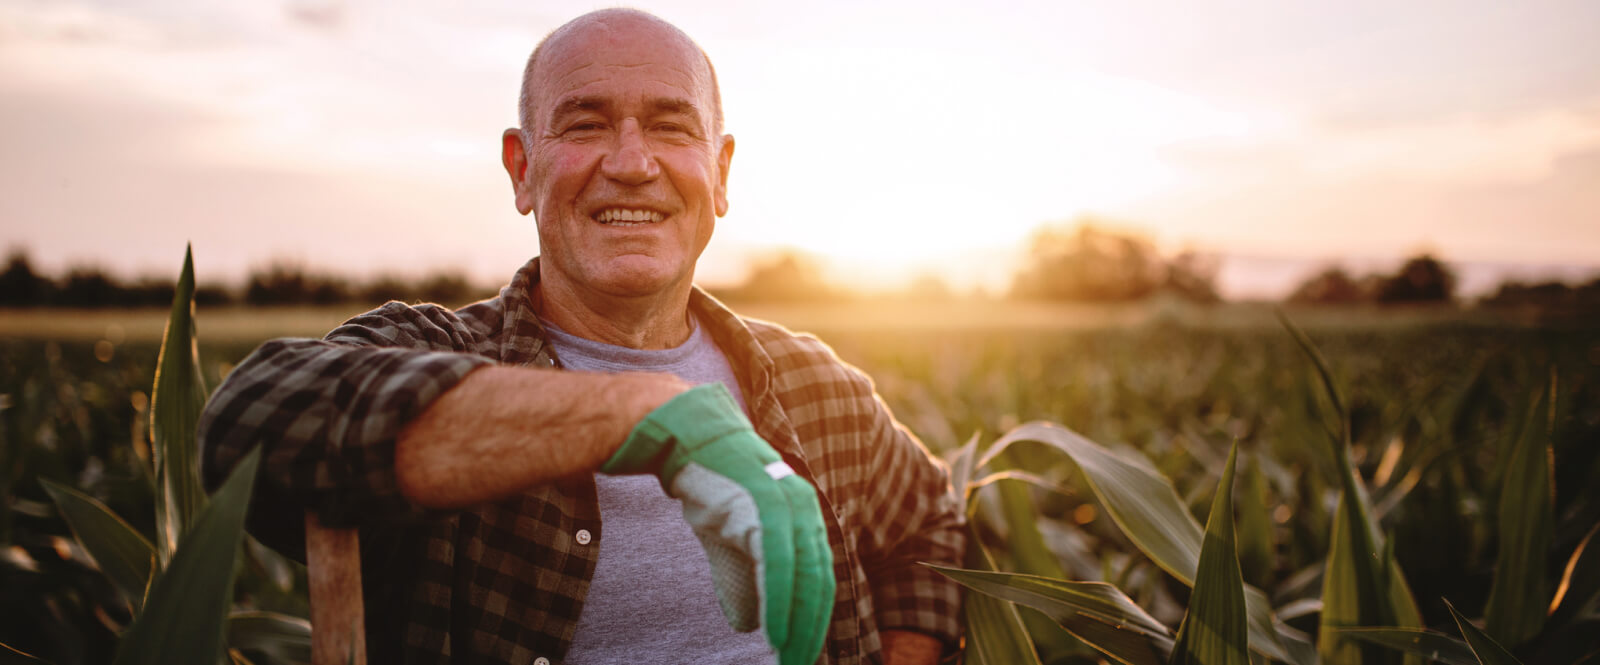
760 524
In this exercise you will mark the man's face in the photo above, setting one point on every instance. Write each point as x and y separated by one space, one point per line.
625 174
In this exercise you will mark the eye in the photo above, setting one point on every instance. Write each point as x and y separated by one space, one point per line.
672 128
585 126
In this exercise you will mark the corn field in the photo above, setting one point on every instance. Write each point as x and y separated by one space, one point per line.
1154 493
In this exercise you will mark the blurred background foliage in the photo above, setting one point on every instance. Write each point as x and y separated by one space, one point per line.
1087 261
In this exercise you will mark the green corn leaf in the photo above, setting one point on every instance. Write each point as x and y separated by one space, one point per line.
183 619
280 637
1355 591
1095 612
962 463
10 656
175 405
1256 548
1342 430
1215 631
1026 550
1143 504
1579 588
1361 586
1422 643
1026 544
1402 603
1484 647
122 553
1023 476
1519 595
995 631
996 634
1028 554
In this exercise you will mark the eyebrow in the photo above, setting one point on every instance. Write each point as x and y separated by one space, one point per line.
573 105
658 105
678 105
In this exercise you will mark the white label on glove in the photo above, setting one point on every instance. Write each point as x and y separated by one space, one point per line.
779 470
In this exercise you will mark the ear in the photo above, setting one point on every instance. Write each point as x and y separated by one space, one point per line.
724 163
515 160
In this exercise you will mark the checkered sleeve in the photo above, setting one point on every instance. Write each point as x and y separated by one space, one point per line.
327 414
921 521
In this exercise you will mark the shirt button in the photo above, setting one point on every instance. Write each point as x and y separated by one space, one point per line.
583 536
541 661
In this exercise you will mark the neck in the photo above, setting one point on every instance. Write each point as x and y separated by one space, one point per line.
657 321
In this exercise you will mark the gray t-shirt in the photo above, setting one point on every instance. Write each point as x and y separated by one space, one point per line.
652 599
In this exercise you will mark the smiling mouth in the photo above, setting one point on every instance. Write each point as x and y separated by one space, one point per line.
627 216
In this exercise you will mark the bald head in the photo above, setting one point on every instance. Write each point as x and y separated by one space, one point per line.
601 24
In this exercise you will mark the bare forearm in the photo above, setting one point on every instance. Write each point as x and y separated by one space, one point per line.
906 647
503 429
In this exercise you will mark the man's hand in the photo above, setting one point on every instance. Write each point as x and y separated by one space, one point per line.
760 524
907 647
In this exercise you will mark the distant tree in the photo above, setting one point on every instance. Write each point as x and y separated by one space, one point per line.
1552 298
446 288
1423 279
1091 263
211 295
20 286
285 283
1332 286
89 286
1543 294
149 292
1193 276
1087 264
384 288
787 277
1588 293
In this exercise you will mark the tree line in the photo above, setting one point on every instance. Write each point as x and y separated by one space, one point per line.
1089 261
280 283
1424 279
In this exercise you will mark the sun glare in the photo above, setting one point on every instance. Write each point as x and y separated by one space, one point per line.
926 172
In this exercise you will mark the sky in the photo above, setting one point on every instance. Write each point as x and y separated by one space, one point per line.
889 139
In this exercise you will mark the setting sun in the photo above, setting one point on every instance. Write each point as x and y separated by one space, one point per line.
928 172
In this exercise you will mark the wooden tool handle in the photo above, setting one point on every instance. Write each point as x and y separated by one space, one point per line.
338 619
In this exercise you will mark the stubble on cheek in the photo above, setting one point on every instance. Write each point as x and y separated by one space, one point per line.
559 178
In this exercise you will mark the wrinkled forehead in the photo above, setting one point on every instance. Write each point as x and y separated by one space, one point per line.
649 58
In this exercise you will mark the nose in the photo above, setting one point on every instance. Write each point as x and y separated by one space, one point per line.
630 161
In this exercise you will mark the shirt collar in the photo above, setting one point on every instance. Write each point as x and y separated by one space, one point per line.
524 340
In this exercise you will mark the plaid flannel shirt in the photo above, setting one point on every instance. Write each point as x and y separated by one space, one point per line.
505 582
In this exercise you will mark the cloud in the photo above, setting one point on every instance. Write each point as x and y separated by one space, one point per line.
1548 218
72 23
1461 149
115 188
327 16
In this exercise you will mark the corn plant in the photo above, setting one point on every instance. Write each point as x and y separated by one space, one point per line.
180 588
1366 610
1149 512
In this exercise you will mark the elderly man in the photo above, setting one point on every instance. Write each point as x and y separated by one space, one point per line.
481 451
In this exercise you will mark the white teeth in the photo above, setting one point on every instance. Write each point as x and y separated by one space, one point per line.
627 216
